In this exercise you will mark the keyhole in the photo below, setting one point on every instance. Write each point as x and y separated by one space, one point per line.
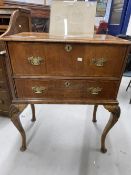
67 84
68 47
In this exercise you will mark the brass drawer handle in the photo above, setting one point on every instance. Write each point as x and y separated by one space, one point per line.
35 60
38 89
99 62
68 47
94 90
67 84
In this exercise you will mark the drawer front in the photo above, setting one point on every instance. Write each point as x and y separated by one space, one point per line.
66 89
67 59
4 101
27 59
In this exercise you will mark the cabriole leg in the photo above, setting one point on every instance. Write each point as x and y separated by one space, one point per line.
14 113
33 113
94 113
115 114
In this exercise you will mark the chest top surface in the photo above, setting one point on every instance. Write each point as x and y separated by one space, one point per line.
45 37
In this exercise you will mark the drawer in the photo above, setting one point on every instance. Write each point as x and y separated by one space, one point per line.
66 59
4 101
66 89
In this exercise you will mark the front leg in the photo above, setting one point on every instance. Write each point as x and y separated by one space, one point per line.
94 113
115 114
14 112
33 113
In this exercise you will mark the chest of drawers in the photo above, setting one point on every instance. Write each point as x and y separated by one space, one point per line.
48 69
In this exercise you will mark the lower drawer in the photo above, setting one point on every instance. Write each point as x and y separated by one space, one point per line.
66 89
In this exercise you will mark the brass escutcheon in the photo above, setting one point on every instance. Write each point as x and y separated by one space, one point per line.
35 60
68 47
99 62
94 90
67 84
38 89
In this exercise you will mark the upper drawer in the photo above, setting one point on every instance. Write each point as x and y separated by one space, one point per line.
66 59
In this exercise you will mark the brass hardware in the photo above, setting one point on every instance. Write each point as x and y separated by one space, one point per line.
38 89
99 62
68 47
3 52
67 84
94 90
35 60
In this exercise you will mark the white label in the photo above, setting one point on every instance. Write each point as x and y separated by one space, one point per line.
79 59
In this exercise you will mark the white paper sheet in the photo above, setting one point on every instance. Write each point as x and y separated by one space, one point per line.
72 18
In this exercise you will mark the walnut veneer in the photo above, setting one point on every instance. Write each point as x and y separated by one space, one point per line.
50 69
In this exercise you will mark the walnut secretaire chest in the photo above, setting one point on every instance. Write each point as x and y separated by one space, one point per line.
49 69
